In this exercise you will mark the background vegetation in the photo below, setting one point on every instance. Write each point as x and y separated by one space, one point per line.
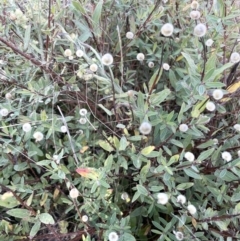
97 151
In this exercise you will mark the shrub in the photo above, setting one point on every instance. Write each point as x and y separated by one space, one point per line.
119 120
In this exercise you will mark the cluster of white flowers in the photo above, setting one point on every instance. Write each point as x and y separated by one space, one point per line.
209 42
181 199
79 53
93 67
74 193
145 128
4 112
140 56
129 35
83 121
150 64
167 29
113 236
166 66
217 94
83 112
178 235
26 127
68 53
183 127
63 129
56 159
191 209
194 5
237 127
8 96
200 30
125 197
162 198
130 93
84 218
189 156
235 57
210 106
107 59
38 136
195 14
226 156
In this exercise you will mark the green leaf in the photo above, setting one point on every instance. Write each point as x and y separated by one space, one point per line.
205 154
219 71
177 143
108 112
123 143
191 64
235 197
27 37
19 213
155 78
142 190
184 186
108 163
78 6
182 110
128 237
144 171
105 145
46 218
147 150
158 98
35 228
191 173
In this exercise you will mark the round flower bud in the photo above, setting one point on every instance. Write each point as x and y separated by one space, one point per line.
150 64
189 156
83 112
113 236
236 127
124 196
79 53
140 56
226 156
191 209
181 199
235 57
166 66
209 42
68 52
129 35
56 159
210 106
238 153
217 94
167 29
93 67
38 136
162 198
8 96
70 57
83 121
63 129
84 218
195 14
215 141
4 112
107 59
183 127
145 128
179 235
130 93
74 193
200 30
194 5
26 127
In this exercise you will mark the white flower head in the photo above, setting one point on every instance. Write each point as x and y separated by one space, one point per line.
125 197
194 5
237 127
210 106
129 35
200 30
162 198
191 209
93 67
83 112
79 53
83 121
8 96
84 218
38 136
63 129
226 156
150 65
181 199
74 193
167 29
145 128
56 159
26 127
235 57
165 1
189 156
140 56
209 42
217 94
183 127
4 112
238 153
215 141
166 66
107 59
195 14
130 93
179 235
70 57
113 236
68 52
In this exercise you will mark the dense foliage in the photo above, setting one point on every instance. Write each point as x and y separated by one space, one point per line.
119 120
